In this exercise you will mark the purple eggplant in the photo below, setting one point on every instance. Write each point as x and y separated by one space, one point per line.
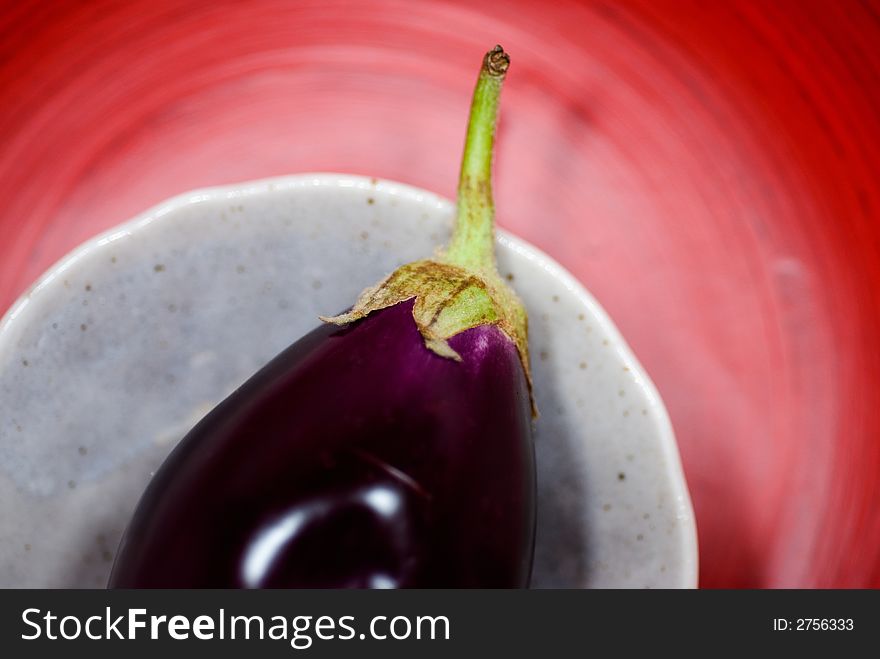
390 447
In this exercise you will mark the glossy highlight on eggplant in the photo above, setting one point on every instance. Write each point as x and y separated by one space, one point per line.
389 448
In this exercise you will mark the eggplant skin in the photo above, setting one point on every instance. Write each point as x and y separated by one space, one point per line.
357 458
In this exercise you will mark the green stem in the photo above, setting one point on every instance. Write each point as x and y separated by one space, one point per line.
472 245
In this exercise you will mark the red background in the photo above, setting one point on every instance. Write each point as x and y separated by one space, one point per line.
708 170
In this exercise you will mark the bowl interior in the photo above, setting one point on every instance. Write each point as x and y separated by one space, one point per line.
122 346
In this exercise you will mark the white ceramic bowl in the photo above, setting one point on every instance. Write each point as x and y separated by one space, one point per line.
123 345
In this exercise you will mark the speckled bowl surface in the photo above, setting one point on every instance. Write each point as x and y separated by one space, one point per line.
126 343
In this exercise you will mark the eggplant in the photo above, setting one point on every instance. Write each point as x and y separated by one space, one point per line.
388 448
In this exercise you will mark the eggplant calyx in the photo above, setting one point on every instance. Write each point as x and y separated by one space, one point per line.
449 299
460 288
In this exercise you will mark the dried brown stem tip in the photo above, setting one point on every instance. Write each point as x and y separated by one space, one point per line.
496 61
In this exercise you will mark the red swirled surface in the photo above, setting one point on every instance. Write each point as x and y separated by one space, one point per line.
708 170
